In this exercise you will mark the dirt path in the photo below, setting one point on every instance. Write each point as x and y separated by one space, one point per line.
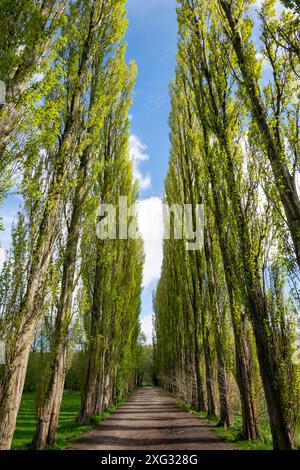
152 420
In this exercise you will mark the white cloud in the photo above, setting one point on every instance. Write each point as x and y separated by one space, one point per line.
147 327
267 67
150 218
2 257
5 235
139 155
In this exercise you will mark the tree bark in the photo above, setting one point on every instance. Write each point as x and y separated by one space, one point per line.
15 370
211 402
49 411
201 406
225 412
95 348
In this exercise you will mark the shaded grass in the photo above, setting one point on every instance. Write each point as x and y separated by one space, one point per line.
68 430
233 434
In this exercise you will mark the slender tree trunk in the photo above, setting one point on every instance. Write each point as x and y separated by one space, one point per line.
225 412
15 370
245 384
49 411
56 405
201 406
100 394
48 415
11 394
211 402
90 393
95 351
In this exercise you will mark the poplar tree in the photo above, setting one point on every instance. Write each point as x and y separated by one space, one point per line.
91 24
217 129
112 277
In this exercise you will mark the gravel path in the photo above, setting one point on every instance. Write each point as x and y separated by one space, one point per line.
152 420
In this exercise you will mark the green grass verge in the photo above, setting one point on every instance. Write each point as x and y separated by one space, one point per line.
232 435
68 430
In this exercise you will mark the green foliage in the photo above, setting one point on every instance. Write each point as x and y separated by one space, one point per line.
230 150
68 134
293 4
146 374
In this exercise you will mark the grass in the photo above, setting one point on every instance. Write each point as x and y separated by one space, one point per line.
232 435
68 430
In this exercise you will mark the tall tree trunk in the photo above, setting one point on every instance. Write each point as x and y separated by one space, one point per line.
90 395
11 394
13 379
211 402
49 411
48 414
201 406
55 411
225 412
95 348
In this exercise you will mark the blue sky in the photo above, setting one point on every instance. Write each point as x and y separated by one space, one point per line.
152 43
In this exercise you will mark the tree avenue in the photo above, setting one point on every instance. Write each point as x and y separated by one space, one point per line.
234 147
226 312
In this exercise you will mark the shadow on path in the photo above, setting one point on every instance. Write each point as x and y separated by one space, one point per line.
152 420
